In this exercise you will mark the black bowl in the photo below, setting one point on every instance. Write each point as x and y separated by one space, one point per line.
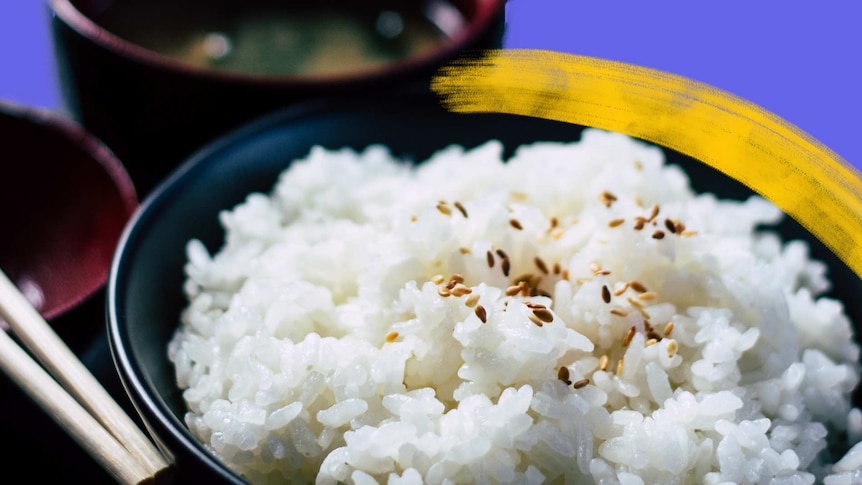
145 296
153 110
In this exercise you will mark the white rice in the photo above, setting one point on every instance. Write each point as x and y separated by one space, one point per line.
332 339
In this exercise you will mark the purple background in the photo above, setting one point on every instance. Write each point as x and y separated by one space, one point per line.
792 58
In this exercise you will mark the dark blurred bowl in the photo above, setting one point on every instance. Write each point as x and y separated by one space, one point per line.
64 200
145 291
153 110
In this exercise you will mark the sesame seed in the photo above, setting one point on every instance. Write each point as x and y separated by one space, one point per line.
563 374
414 218
472 300
619 312
668 328
460 290
516 224
607 198
443 291
554 221
669 224
464 250
490 257
629 336
639 223
557 268
513 290
564 274
557 233
543 314
653 212
603 272
604 360
444 209
672 348
457 278
653 334
659 234
595 267
519 195
649 295
619 370
480 312
505 266
650 342
615 222
451 284
621 288
437 279
502 254
536 320
540 263
638 305
606 294
461 209
391 336
679 227
688 233
637 286
581 383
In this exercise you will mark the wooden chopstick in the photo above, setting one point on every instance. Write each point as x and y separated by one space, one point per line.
36 334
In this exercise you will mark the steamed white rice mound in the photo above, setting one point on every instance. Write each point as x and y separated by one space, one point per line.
576 315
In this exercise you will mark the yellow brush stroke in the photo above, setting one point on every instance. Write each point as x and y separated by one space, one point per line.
800 175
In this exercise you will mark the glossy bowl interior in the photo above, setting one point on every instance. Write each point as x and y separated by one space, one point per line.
154 110
145 296
64 200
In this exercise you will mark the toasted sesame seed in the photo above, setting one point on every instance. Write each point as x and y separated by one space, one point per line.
595 267
563 374
451 284
480 312
557 233
603 272
554 222
653 334
391 336
457 278
506 266
639 223
607 198
621 288
668 328
581 383
513 290
620 369
543 314
653 213
650 342
464 250
689 233
438 279
460 290
679 227
620 312
472 300
502 254
490 257
672 348
629 336
669 224
557 268
564 274
649 295
637 286
604 360
414 218
615 222
540 263
444 209
516 224
461 209
517 195
443 291
658 234
536 320
606 294
635 303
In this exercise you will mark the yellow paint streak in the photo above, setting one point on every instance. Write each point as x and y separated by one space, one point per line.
800 175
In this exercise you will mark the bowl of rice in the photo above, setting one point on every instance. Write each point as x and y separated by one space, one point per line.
389 293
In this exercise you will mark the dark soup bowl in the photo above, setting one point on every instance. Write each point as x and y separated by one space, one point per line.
157 79
148 285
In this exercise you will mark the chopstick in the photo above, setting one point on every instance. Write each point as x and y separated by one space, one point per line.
81 405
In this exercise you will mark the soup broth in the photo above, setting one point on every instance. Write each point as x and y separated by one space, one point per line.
276 38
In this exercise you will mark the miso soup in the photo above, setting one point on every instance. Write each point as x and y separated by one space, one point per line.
281 37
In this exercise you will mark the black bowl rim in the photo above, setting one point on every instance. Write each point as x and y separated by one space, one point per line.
487 13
